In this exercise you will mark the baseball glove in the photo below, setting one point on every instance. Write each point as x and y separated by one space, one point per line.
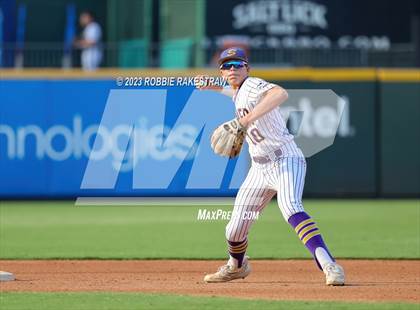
228 138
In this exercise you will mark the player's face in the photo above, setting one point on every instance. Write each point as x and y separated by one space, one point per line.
234 71
84 19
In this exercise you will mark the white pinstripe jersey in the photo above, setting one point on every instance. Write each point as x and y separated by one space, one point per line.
269 133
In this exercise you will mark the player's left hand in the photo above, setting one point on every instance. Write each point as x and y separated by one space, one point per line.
228 138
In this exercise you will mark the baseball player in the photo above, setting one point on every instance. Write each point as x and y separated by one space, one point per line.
278 167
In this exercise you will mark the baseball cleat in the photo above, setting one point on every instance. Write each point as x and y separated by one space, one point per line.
334 274
228 273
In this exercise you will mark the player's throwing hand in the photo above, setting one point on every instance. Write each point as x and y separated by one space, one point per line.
202 82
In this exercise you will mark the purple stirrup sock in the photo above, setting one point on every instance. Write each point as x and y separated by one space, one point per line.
308 233
237 250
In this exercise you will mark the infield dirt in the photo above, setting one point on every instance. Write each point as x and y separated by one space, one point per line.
367 280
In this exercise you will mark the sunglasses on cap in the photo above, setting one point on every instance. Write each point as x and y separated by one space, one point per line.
237 64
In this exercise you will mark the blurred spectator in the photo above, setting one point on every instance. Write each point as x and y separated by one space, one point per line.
90 43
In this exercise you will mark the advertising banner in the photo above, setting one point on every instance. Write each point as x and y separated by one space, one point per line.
348 166
82 138
311 23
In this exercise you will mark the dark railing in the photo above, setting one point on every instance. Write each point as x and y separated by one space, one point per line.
54 55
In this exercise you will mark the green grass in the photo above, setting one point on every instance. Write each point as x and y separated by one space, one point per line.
127 301
351 228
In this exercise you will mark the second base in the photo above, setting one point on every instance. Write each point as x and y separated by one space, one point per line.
6 276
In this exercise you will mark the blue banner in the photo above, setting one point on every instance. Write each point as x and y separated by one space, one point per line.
51 131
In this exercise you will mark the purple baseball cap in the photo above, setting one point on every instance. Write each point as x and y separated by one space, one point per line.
233 53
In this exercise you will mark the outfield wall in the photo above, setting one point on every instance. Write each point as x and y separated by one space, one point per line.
48 123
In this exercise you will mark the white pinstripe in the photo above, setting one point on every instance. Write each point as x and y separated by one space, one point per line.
285 176
252 196
271 125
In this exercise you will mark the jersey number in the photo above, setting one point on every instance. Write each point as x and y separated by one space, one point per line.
254 134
